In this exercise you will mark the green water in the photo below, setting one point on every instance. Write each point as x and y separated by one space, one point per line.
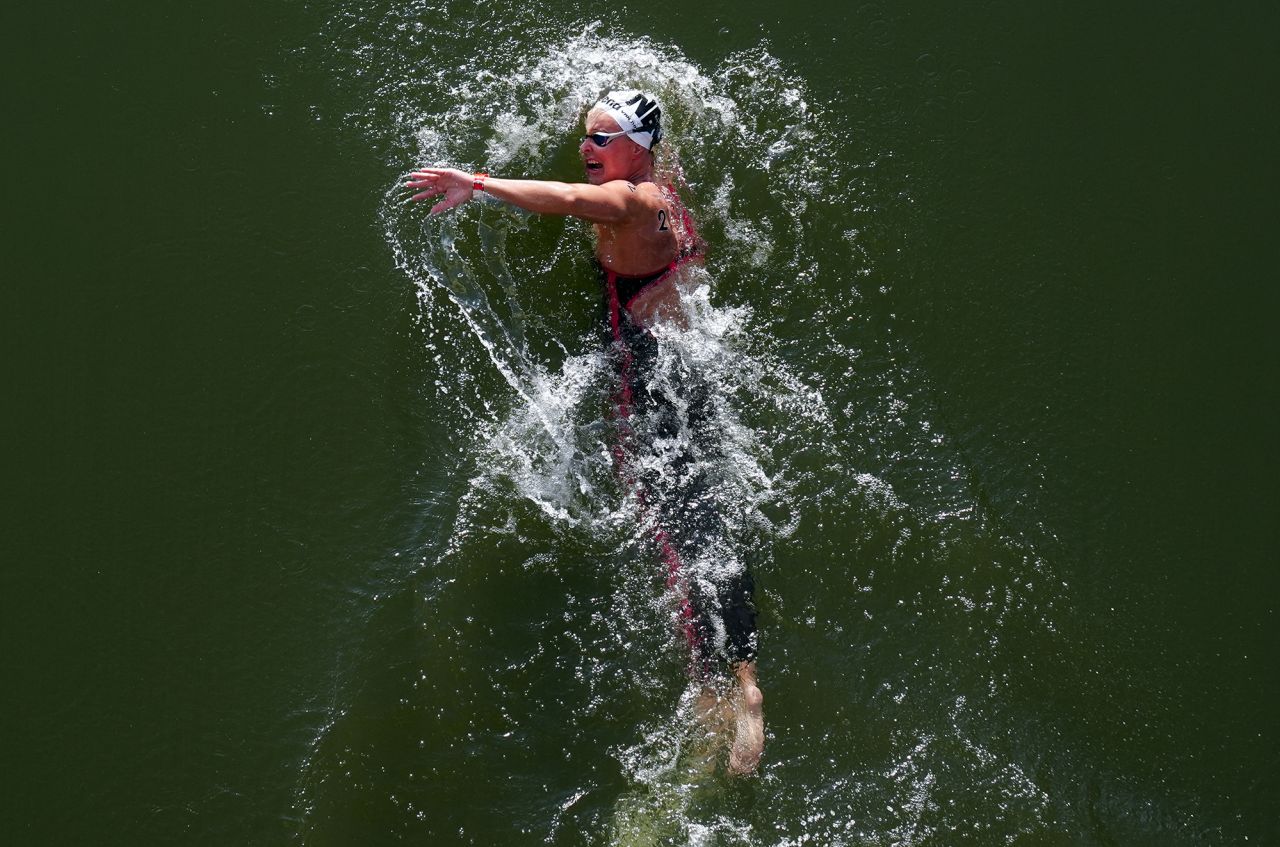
1016 391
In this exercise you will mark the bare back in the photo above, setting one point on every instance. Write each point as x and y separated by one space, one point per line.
646 242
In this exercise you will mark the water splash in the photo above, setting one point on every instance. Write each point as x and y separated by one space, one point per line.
817 428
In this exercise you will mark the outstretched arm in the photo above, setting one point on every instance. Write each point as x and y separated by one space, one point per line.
610 203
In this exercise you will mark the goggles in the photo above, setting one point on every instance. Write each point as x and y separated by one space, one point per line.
602 139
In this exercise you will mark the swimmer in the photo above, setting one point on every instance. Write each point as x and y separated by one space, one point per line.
643 236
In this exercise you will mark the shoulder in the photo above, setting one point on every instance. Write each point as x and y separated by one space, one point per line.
637 200
646 194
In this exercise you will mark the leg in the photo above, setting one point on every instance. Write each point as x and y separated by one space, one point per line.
738 712
748 715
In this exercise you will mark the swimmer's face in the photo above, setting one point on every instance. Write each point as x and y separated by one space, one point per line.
615 159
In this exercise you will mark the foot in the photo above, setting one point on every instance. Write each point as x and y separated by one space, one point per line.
748 714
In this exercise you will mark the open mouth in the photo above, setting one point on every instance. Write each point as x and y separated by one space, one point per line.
593 165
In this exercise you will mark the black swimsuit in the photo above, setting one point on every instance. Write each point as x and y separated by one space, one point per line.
629 287
688 521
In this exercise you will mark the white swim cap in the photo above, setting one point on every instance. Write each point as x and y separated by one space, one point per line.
636 113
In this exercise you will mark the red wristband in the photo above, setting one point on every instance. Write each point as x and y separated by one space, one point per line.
477 182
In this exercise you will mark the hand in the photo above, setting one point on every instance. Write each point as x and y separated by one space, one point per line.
453 184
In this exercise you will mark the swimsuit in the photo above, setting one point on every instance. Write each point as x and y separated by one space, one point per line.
628 288
681 500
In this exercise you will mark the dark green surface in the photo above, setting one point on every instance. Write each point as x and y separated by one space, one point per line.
223 469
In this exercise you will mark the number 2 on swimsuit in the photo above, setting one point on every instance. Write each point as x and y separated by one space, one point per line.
662 220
